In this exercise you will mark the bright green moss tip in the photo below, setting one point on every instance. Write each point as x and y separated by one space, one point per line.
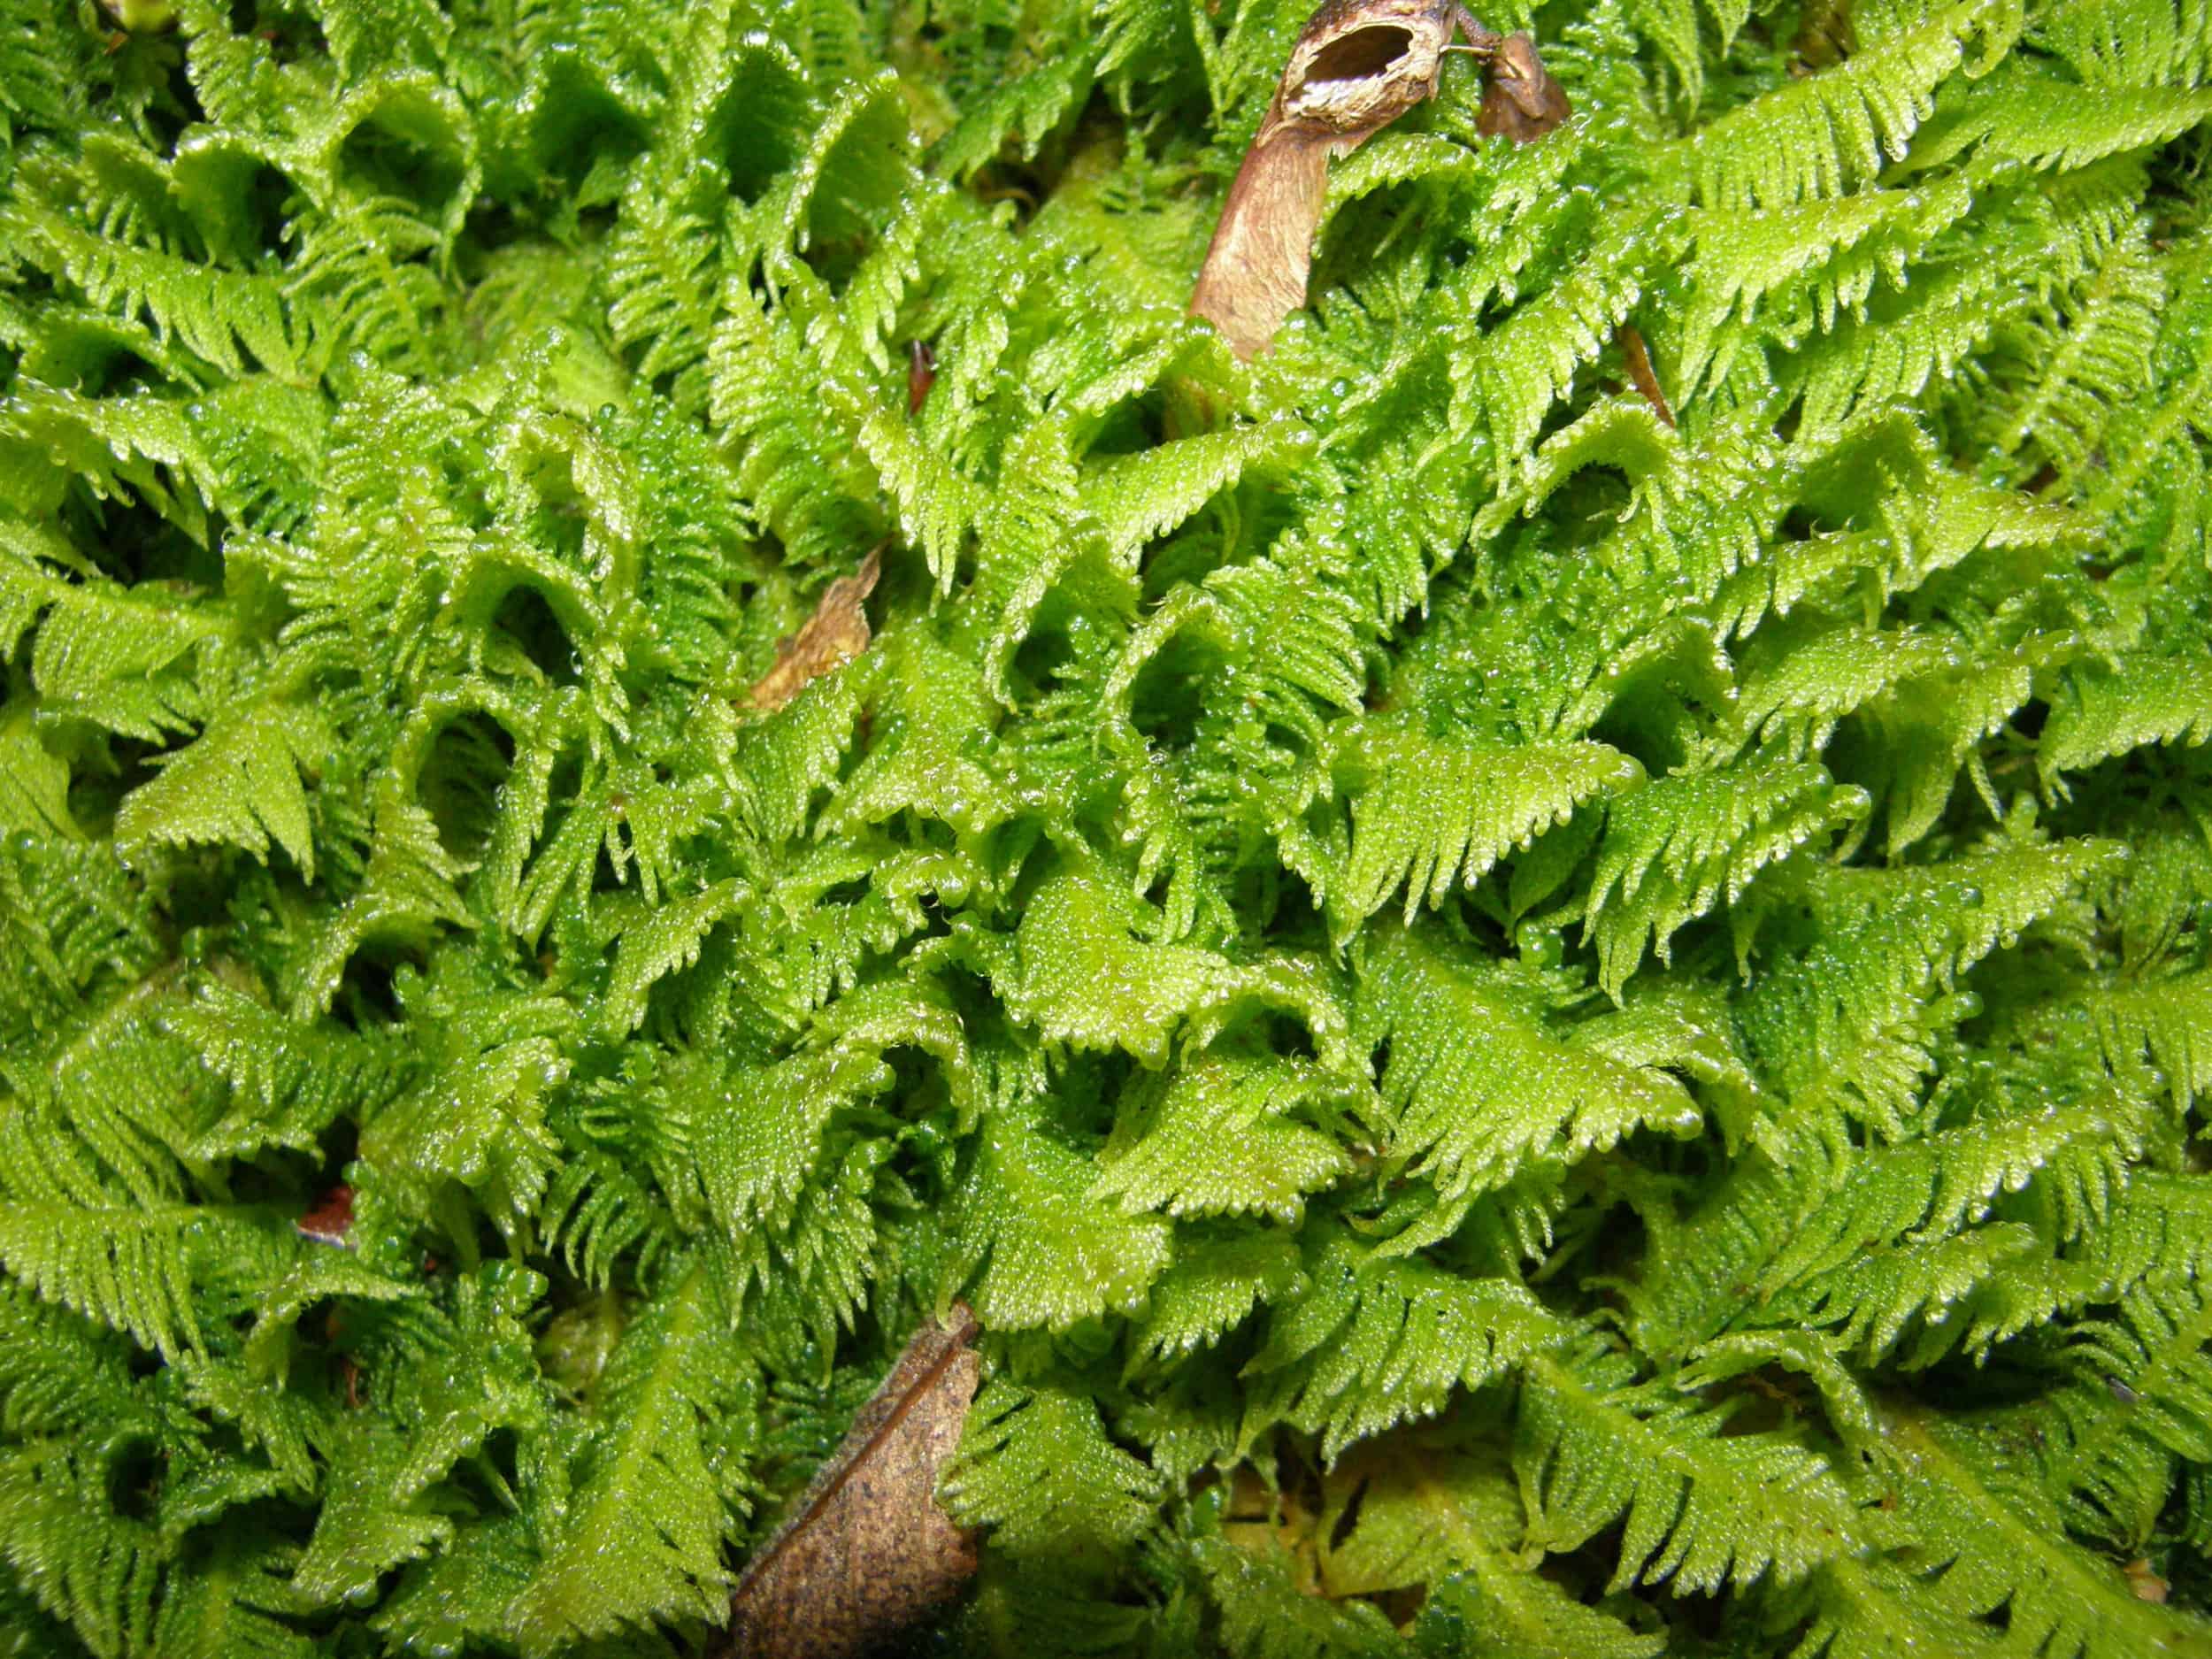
1532 1033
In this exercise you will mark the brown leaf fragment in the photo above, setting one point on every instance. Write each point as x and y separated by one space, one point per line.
832 636
921 375
1522 102
1824 36
2144 1583
1638 363
866 1549
331 1219
1357 66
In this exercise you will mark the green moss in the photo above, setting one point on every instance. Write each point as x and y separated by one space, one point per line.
1532 1033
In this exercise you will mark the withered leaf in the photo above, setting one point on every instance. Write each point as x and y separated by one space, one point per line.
2146 1585
921 375
866 1549
1522 102
1637 360
1825 36
1357 66
832 636
330 1219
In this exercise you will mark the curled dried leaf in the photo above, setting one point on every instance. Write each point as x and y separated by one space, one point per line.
832 636
1825 36
2144 1584
867 1550
1358 66
1521 102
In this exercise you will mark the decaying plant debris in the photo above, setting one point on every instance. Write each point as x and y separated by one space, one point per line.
832 636
1358 66
1525 1030
1520 100
867 1549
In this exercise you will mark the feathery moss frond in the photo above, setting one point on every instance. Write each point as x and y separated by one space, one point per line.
1700 1507
1545 948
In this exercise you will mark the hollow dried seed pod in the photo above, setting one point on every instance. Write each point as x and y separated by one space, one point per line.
1358 66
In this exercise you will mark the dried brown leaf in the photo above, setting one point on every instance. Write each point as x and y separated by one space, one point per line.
1826 35
1637 360
1522 102
832 636
1358 66
866 1549
921 375
330 1219
2144 1583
